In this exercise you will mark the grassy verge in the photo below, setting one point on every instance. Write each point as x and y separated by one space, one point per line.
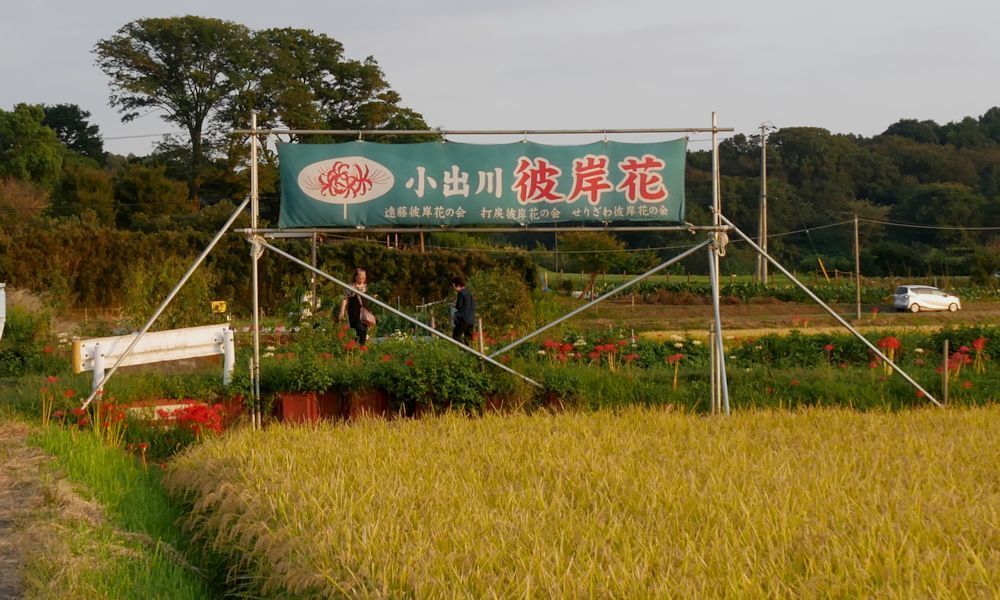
120 540
634 503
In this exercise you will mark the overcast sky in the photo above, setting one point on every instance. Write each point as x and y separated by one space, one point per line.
850 67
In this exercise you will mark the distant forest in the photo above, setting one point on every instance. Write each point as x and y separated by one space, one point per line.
927 195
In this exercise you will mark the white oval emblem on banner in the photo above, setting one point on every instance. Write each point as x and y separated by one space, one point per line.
346 180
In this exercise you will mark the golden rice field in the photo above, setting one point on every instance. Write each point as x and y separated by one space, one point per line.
640 504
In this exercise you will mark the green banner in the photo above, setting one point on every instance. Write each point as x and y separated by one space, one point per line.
367 184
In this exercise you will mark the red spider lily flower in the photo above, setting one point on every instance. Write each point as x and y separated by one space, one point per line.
83 421
326 356
630 357
622 343
142 445
68 393
549 344
963 349
674 358
78 412
873 364
979 344
505 358
828 347
770 390
561 357
59 414
351 345
386 357
794 382
967 384
363 348
47 350
920 394
593 354
566 348
889 343
52 379
409 362
340 335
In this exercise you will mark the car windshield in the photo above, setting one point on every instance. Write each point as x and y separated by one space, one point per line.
902 290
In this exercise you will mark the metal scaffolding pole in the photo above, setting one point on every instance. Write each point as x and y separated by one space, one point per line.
442 132
720 351
255 252
194 266
833 313
603 297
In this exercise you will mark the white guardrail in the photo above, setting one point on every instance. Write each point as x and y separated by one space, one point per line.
99 354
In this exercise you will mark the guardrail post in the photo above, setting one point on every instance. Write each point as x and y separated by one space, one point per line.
98 367
228 356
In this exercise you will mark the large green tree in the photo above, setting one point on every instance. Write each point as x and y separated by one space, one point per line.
29 150
207 75
188 67
70 123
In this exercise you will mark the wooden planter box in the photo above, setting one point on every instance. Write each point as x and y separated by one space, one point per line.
298 407
366 403
332 405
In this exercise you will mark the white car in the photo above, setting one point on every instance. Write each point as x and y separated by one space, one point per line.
916 298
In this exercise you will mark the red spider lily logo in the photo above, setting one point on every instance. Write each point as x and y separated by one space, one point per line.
347 180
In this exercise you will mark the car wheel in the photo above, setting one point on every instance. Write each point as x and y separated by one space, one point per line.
915 308
952 307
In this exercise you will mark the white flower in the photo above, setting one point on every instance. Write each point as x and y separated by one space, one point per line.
268 354
580 342
758 347
696 342
675 337
749 369
542 352
679 345
269 348
918 350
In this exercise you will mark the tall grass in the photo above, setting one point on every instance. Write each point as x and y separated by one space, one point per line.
638 503
138 552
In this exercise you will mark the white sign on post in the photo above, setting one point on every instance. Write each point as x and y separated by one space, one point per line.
98 354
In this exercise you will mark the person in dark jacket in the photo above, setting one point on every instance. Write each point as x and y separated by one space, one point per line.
465 312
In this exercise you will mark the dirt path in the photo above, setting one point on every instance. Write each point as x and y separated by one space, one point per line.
657 321
21 495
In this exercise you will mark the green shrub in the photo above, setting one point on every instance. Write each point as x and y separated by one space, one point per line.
27 346
502 302
148 283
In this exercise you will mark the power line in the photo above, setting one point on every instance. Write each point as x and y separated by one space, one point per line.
941 227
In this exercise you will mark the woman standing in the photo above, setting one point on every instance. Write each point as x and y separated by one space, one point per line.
352 303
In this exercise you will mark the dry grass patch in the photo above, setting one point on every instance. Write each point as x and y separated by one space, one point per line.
637 504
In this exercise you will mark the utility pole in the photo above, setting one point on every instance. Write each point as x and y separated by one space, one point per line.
761 272
857 269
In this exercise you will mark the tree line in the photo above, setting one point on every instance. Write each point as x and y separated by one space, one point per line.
938 184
